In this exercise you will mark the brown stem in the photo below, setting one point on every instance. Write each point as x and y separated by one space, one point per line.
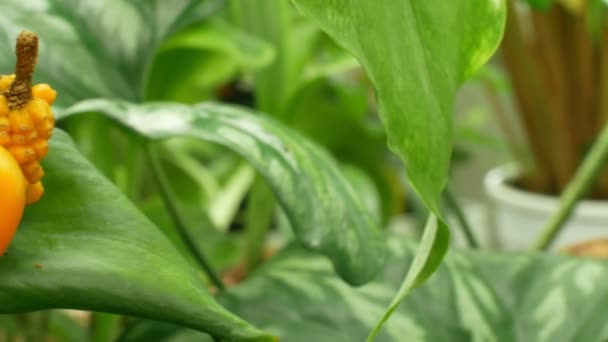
530 98
602 109
20 92
602 113
583 85
549 58
583 89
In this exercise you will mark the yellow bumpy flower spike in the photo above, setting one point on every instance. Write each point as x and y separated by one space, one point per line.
26 118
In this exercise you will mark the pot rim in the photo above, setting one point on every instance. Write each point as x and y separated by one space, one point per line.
496 186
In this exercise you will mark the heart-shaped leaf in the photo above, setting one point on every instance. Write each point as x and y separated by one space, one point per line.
324 210
85 246
417 54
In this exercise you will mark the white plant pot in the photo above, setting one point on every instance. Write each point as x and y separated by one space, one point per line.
519 216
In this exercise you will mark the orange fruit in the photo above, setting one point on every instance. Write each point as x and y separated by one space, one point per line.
12 197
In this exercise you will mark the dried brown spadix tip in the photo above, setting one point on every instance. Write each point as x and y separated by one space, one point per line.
20 92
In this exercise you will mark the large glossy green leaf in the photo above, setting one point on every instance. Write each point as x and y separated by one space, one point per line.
92 48
473 296
417 54
324 210
85 246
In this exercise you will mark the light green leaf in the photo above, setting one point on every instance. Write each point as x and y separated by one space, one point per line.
435 241
60 327
92 48
331 60
324 210
85 246
193 79
274 21
473 296
331 112
223 251
192 63
217 35
366 190
417 54
222 208
269 20
66 329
